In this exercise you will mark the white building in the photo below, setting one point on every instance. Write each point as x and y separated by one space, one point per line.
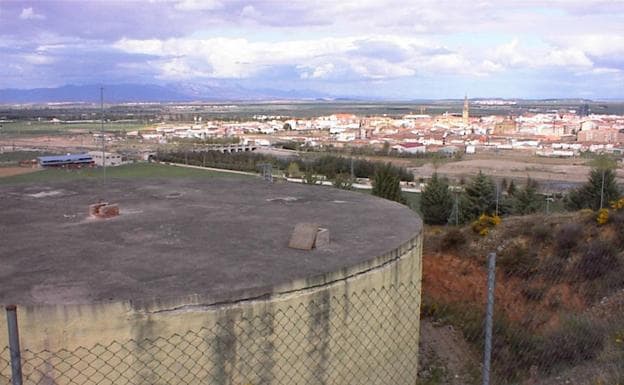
112 158
410 148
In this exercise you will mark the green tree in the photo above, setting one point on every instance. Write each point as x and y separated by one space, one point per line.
387 183
436 202
600 188
527 200
481 196
511 188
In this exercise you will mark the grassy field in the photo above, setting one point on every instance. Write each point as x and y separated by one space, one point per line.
130 171
14 157
28 128
413 200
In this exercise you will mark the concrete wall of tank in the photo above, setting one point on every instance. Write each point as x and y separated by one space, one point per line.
358 325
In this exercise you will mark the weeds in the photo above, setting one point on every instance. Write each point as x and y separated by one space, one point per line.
567 238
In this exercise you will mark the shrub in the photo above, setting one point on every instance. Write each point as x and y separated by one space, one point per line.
618 225
541 232
575 341
618 204
453 239
516 260
485 222
567 238
533 293
597 259
603 217
343 181
552 268
293 170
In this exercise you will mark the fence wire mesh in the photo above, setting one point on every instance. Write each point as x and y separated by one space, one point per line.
370 335
5 366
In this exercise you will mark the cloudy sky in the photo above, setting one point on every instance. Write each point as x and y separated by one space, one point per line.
371 48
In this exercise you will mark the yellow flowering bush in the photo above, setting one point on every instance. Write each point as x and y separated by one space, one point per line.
603 217
485 222
618 204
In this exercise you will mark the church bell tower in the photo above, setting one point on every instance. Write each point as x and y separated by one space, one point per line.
466 112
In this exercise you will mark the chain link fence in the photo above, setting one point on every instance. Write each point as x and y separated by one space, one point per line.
374 338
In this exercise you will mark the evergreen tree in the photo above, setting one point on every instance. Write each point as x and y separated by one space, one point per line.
589 194
387 184
511 188
481 196
527 200
436 202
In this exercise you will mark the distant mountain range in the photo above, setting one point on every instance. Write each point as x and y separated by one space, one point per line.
120 93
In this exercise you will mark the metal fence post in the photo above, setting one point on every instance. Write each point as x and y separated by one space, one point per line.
489 315
14 347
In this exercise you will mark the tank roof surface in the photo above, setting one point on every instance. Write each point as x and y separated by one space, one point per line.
220 239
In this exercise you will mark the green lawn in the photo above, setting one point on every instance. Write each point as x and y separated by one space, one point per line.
130 171
413 200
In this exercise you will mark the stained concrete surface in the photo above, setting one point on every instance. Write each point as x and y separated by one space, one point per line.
222 239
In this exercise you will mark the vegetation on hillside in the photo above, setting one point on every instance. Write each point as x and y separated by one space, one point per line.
559 290
327 165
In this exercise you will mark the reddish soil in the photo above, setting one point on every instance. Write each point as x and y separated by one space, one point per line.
450 279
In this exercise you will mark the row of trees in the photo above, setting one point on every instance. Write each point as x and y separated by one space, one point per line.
329 166
440 204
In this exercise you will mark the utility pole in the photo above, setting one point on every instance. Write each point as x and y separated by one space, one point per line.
602 189
456 209
497 193
548 200
454 217
102 135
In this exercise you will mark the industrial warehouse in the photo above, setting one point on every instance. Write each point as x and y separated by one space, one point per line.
171 282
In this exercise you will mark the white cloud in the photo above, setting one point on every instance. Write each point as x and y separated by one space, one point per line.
250 12
30 14
604 44
38 59
320 71
514 55
369 57
198 5
569 57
